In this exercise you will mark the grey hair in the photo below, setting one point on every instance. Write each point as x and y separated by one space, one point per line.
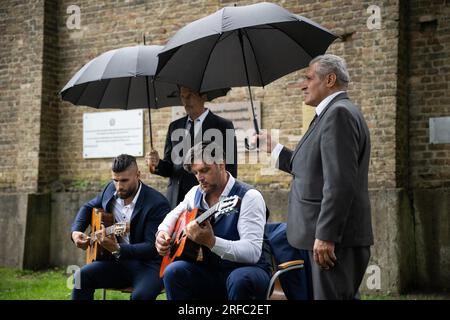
330 63
207 151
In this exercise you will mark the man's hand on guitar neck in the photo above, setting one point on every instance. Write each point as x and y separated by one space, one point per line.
162 243
202 234
107 242
80 239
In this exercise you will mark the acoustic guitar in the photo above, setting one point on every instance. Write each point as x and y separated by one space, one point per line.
100 219
181 247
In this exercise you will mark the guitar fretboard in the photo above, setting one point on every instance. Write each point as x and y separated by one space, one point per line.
208 213
108 231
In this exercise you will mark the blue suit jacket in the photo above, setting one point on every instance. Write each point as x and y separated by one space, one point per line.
150 210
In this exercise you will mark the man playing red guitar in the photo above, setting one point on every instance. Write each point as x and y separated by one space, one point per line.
233 265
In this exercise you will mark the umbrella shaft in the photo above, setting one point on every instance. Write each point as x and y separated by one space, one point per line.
255 123
148 104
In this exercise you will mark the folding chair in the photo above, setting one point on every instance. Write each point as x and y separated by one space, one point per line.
292 276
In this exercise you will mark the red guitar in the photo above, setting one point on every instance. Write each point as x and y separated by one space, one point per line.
181 247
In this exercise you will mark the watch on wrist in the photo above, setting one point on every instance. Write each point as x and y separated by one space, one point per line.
116 254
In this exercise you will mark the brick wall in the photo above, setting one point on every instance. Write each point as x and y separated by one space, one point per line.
42 151
50 105
20 91
429 94
371 55
33 159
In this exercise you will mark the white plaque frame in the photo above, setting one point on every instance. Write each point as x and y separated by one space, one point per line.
439 130
108 134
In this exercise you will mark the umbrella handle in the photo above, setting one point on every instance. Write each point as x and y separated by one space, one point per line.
251 147
151 167
255 125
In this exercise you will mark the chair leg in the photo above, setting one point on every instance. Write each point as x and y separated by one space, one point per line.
276 275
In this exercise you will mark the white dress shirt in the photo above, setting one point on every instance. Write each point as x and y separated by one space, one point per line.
250 226
197 122
320 107
123 212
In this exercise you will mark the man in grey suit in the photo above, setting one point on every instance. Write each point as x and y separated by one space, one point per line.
329 207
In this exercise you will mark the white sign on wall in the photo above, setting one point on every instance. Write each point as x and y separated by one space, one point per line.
108 134
439 130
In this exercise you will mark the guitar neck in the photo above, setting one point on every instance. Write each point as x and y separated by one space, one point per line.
207 214
108 231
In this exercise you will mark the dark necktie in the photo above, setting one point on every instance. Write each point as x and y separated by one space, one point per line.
313 121
191 132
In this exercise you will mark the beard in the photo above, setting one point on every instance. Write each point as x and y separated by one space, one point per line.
124 194
208 188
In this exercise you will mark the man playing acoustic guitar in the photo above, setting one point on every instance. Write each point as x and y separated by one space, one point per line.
135 261
232 264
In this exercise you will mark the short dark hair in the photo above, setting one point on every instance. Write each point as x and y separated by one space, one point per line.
207 151
210 95
123 162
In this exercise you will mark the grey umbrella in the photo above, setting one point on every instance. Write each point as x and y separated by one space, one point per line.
242 46
124 78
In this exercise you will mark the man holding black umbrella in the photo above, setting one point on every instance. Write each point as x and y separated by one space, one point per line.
329 207
182 134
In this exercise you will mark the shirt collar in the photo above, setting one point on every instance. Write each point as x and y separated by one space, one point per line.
132 203
325 102
201 118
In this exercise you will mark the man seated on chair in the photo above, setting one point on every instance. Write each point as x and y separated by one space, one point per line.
135 261
233 265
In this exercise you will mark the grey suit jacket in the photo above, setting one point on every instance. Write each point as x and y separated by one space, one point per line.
329 199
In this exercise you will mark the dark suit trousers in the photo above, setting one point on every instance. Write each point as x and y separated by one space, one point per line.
144 278
184 280
343 280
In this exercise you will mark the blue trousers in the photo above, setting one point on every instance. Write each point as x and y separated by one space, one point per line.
143 277
185 280
296 284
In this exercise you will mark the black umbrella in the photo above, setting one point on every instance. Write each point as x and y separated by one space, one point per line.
124 78
241 46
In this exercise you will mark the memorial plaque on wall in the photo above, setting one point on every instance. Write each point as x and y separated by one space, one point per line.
238 112
439 130
108 134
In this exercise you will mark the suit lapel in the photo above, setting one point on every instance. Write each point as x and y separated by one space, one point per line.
106 200
182 124
139 203
315 124
303 139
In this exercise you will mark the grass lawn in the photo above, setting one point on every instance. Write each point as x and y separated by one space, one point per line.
52 285
44 285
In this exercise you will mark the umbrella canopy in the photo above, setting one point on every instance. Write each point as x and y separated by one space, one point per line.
124 78
238 46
